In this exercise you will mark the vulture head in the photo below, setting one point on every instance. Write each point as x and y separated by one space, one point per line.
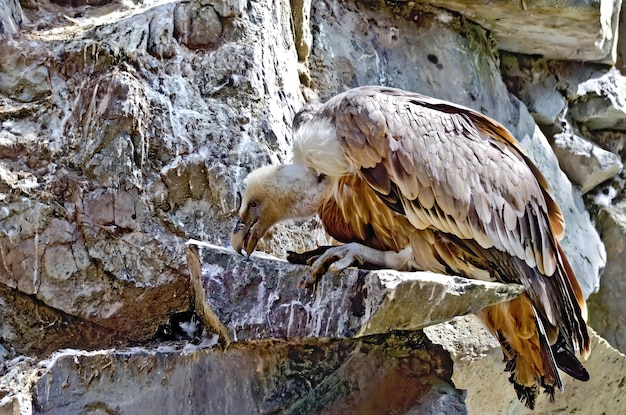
274 194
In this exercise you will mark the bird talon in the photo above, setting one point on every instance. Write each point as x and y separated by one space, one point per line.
312 260
302 283
308 281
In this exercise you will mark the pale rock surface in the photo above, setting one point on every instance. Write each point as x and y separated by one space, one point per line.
621 42
374 375
601 103
254 298
301 12
613 191
570 29
607 308
228 8
30 327
590 96
551 89
478 368
196 25
534 83
585 163
614 141
10 19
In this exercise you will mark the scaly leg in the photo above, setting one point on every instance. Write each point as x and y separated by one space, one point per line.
338 258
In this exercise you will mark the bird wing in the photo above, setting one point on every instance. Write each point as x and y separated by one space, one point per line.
452 169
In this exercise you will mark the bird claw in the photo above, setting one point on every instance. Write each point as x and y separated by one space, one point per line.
335 259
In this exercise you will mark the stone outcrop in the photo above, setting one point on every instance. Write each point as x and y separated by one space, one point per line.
607 309
477 368
600 103
11 19
256 298
127 129
318 368
560 97
570 29
586 165
372 375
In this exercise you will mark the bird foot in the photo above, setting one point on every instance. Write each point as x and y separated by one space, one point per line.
334 259
307 257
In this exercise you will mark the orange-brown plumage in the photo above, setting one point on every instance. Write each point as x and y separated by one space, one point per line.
429 185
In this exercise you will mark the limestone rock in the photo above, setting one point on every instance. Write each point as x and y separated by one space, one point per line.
614 141
196 25
571 29
550 87
128 129
129 159
374 48
613 191
23 80
10 20
301 11
228 8
401 373
602 105
585 163
607 310
557 91
244 299
621 42
535 84
370 47
33 328
478 368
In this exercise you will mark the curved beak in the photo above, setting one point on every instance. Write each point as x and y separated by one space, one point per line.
244 236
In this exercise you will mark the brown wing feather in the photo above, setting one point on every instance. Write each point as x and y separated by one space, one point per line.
347 217
496 130
357 213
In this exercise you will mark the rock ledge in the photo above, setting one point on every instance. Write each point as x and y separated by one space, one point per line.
255 298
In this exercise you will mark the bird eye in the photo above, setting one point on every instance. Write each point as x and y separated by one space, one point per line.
253 204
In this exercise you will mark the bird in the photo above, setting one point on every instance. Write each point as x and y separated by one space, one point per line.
409 182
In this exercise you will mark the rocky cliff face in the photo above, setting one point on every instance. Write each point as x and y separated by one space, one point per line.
127 130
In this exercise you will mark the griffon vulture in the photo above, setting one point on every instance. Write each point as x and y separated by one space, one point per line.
410 182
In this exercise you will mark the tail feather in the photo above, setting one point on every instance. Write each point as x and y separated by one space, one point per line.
526 348
580 307
567 361
528 354
550 373
526 394
541 329
559 301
